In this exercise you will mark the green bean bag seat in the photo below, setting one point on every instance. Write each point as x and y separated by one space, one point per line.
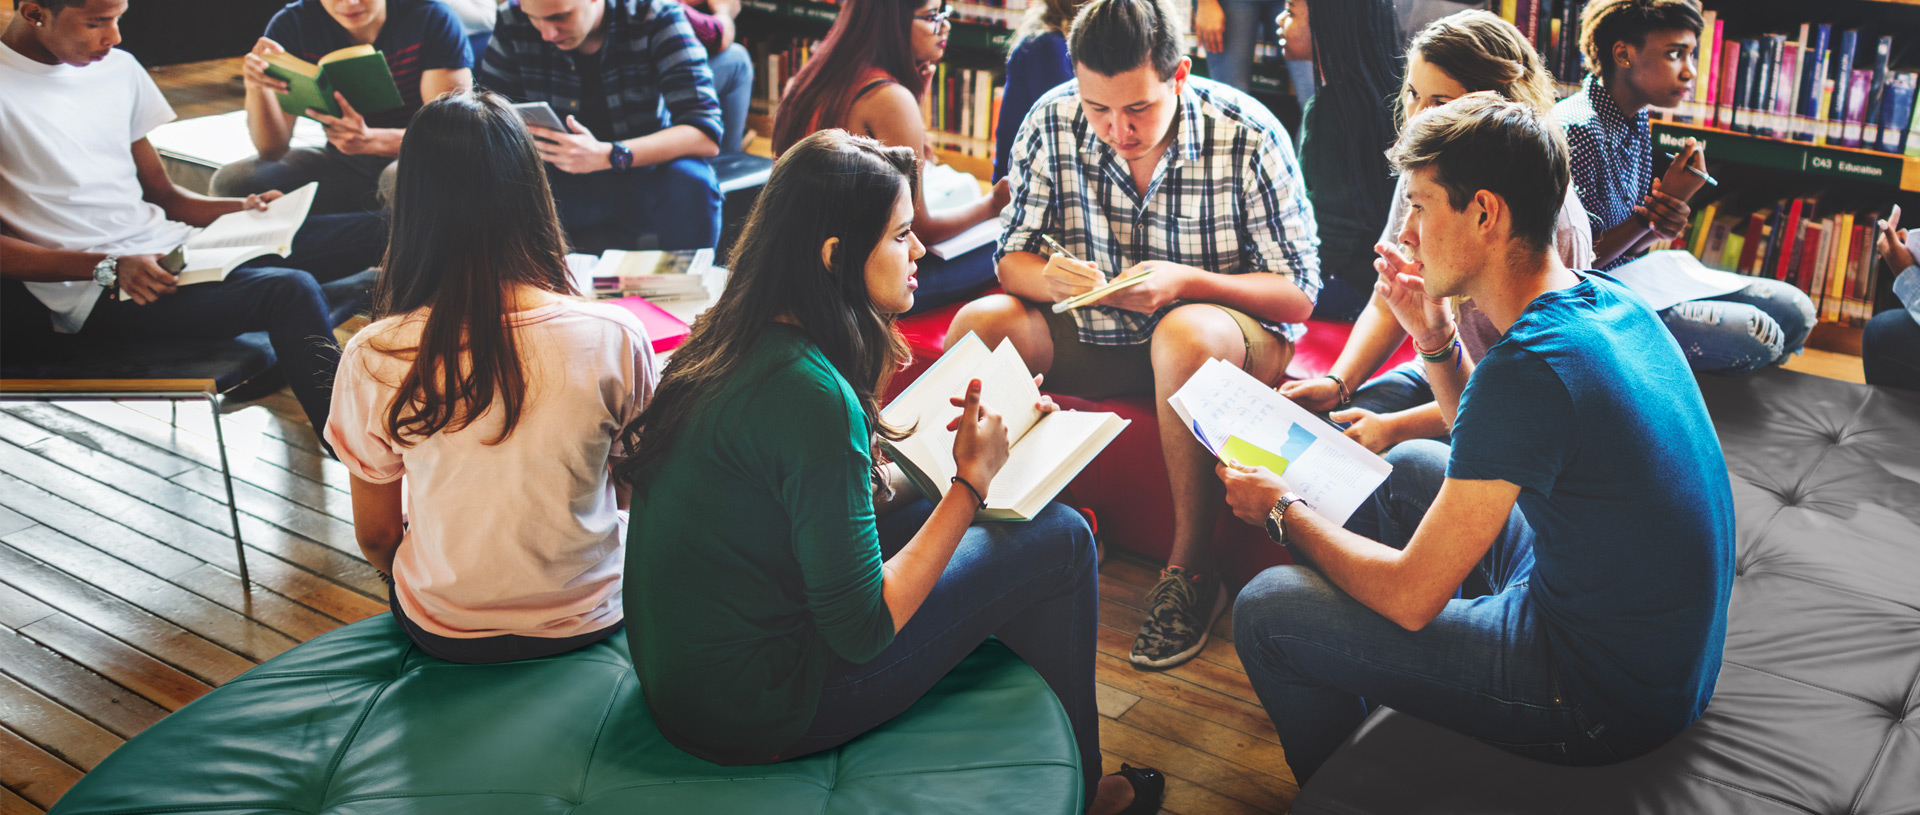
358 722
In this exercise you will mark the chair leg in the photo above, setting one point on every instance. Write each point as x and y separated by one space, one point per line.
226 476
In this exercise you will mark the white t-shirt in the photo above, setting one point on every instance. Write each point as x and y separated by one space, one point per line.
522 537
67 178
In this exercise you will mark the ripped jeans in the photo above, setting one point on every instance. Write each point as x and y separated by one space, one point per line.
1739 333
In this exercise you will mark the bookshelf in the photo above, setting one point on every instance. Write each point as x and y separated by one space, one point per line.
1868 166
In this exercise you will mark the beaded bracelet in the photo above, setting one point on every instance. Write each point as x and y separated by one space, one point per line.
970 488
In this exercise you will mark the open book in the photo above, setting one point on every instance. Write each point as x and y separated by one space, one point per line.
358 72
237 237
1048 450
1237 418
1671 276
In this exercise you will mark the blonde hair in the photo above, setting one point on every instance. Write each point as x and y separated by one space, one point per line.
1483 142
1483 53
1044 16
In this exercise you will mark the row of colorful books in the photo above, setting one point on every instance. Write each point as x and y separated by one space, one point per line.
1829 255
1819 86
963 108
1553 26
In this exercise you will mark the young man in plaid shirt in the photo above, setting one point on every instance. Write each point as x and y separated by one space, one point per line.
1137 167
628 177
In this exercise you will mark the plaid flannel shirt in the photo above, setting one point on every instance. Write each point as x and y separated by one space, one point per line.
650 62
1227 198
1612 156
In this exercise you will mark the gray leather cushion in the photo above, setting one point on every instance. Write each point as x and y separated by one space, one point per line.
1815 708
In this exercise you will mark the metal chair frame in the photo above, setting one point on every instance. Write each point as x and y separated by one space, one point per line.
171 390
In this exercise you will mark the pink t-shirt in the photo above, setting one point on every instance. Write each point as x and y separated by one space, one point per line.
521 537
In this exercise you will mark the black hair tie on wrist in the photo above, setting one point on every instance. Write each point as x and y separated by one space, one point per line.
972 489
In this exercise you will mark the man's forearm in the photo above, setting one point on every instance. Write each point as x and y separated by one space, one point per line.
267 125
678 141
26 261
1365 569
1266 295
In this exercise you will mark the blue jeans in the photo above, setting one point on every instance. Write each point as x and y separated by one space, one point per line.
675 205
1890 350
1246 22
953 279
1399 388
733 82
1739 333
1321 661
283 297
1034 585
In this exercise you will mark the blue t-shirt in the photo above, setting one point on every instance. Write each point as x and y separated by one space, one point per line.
1037 65
1589 406
418 36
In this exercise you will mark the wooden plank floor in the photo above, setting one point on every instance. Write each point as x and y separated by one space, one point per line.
120 600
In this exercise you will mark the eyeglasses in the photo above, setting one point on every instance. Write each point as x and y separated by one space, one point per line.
935 19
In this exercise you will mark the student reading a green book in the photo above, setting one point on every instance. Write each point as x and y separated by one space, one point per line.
1640 54
424 51
785 591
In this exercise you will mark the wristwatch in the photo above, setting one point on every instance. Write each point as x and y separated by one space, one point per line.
106 273
621 157
1277 516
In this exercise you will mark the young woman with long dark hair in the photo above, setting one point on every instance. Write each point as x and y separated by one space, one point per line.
498 393
1344 136
1466 52
867 78
784 602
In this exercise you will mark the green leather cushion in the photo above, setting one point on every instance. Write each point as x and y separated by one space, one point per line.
358 721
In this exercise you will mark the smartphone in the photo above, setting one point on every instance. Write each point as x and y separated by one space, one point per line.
540 114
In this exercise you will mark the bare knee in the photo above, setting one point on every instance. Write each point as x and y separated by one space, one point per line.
1190 335
997 317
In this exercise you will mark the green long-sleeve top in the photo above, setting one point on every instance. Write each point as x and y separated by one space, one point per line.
752 557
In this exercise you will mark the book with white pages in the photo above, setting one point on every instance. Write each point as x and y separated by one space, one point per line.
980 234
216 141
1048 449
1239 418
1672 276
237 237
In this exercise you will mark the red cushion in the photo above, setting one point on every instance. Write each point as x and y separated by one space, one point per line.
1126 487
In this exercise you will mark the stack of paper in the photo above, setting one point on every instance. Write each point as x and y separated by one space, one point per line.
653 274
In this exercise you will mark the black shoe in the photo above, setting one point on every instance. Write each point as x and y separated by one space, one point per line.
1149 789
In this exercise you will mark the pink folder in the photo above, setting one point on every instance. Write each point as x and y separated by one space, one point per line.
665 330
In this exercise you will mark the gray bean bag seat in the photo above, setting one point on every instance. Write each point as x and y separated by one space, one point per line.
1816 707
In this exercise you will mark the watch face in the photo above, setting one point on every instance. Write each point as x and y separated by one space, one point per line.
1273 527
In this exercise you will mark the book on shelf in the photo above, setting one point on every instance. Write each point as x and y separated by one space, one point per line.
237 237
1843 55
1812 242
358 72
1048 449
1815 86
1896 111
1238 418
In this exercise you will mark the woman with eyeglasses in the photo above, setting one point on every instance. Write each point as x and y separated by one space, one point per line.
867 77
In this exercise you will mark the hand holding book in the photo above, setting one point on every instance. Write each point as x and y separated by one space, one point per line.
980 443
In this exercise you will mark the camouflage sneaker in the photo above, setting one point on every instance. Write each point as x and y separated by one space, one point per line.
1180 611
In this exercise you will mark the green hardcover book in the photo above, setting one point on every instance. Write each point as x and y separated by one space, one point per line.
358 73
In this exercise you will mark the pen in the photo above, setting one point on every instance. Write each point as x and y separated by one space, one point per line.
1055 245
1696 171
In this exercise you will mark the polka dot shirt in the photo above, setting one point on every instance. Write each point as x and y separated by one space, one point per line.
1612 155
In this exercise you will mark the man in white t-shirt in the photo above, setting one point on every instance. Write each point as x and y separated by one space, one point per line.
86 208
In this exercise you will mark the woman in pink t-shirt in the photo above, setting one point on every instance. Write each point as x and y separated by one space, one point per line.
478 416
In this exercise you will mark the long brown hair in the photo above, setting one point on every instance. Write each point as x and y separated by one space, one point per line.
472 217
829 185
1483 53
866 34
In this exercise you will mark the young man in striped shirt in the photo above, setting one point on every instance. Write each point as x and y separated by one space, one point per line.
631 82
1136 167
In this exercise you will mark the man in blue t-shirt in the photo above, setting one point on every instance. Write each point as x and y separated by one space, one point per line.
1583 515
425 50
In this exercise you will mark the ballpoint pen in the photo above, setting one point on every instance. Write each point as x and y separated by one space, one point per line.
1697 171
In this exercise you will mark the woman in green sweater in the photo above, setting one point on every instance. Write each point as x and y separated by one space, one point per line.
783 594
